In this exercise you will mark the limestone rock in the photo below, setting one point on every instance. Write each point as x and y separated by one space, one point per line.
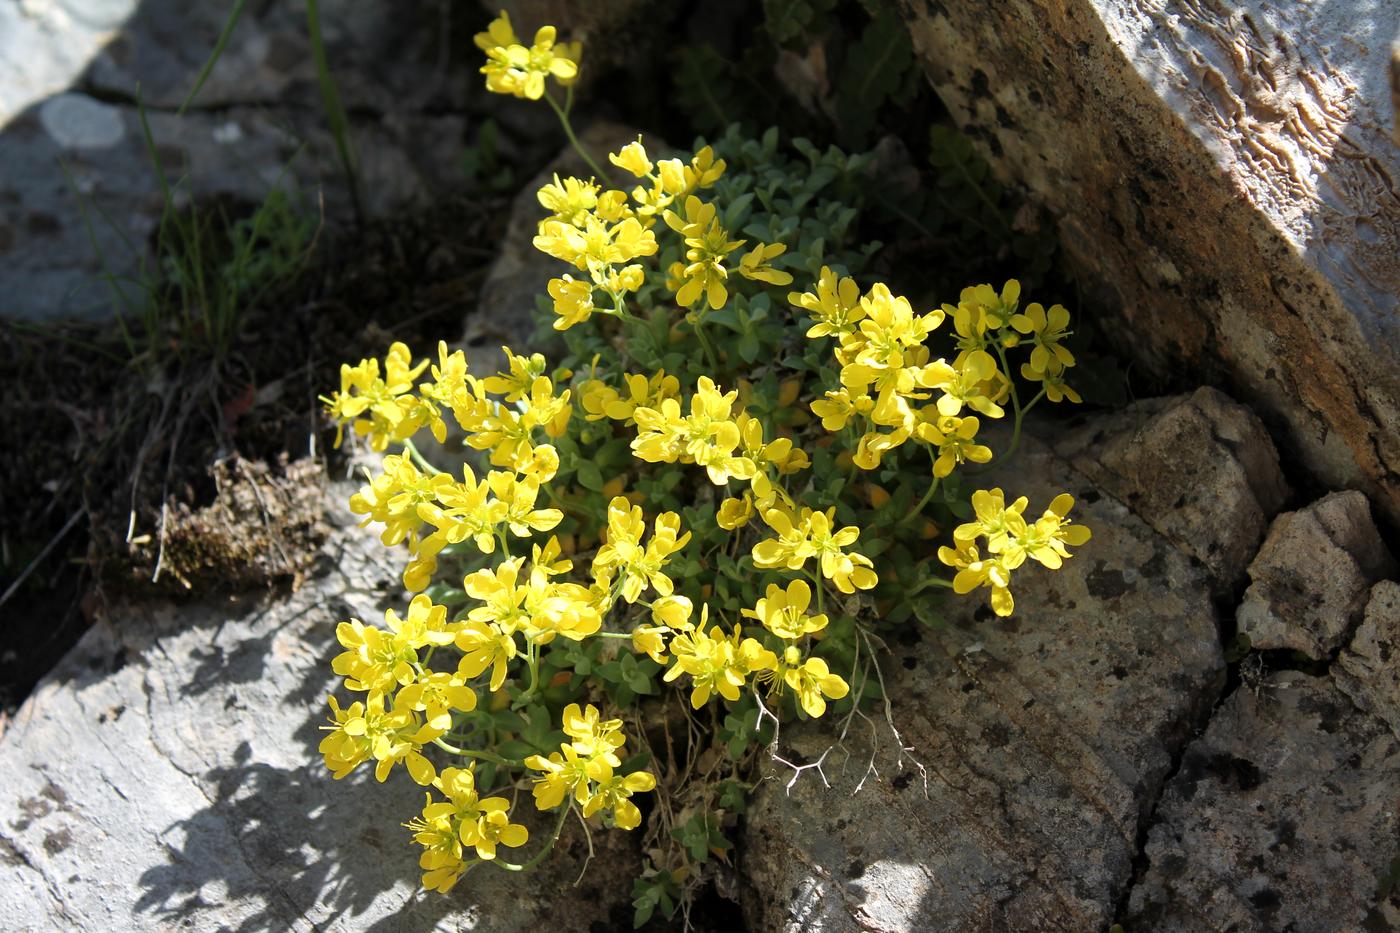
165 777
1043 740
1311 579
1198 468
257 125
1283 816
1368 670
1224 177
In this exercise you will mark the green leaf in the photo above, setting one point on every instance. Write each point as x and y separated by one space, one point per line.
589 476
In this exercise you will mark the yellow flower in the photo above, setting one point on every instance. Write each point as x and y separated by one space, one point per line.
715 663
814 535
613 795
784 611
623 552
974 572
511 68
955 440
838 407
755 264
569 200
813 682
995 520
835 306
366 730
484 646
519 493
633 158
564 774
1046 331
708 245
594 738
435 696
376 660
520 381
1046 540
573 301
735 513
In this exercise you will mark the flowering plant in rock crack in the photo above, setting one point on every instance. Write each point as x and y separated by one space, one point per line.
736 474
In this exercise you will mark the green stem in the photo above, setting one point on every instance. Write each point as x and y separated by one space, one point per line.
710 357
928 582
539 856
919 509
417 457
821 598
563 114
472 753
1016 429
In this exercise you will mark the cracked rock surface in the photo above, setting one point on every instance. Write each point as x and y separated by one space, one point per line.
1199 468
1284 816
1044 741
165 776
1311 579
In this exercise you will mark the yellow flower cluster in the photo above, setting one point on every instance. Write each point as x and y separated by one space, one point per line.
430 510
520 70
601 232
1009 540
584 769
446 828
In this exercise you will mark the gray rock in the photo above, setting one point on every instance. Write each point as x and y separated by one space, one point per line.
1223 174
1311 579
1283 816
1368 670
258 124
165 777
1040 743
1198 468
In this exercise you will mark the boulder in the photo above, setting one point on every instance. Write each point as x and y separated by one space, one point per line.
71 141
1368 670
165 777
1313 575
1283 816
1225 182
1198 468
1029 750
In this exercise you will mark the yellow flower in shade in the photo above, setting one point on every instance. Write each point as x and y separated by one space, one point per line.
435 695
973 379
812 681
669 614
484 646
1046 330
973 571
573 301
755 264
735 513
784 611
996 310
1053 379
633 158
708 245
613 795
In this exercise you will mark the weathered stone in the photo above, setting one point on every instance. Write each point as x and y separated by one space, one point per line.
1285 815
1042 739
1198 468
165 776
1368 670
1311 579
258 124
1225 180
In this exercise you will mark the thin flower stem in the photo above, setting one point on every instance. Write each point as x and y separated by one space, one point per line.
472 753
710 357
418 457
563 114
821 599
919 509
928 582
539 856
